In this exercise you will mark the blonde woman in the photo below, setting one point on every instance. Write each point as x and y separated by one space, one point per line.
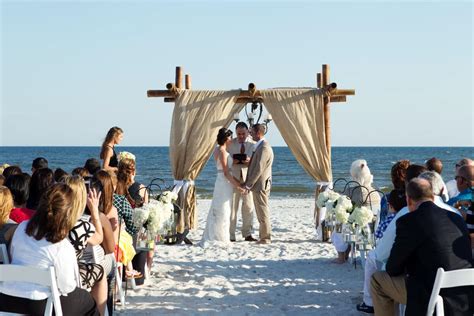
7 226
88 231
107 154
42 242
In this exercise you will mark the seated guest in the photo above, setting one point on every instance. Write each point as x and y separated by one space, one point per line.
126 184
464 200
19 185
38 163
434 164
7 226
377 257
60 175
437 186
428 238
39 183
360 173
92 165
11 170
121 201
452 184
88 231
82 172
396 201
42 243
464 182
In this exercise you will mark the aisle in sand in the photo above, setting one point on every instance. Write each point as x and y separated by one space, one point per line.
293 275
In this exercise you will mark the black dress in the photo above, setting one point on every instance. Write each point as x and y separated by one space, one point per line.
113 160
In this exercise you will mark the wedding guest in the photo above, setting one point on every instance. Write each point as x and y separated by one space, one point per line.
10 170
19 185
125 179
396 201
86 232
82 172
427 238
464 200
59 175
434 164
92 165
135 191
452 184
377 257
2 167
241 145
39 183
107 154
38 163
437 185
42 242
7 226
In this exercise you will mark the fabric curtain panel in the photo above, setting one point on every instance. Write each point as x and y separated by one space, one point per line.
197 117
299 116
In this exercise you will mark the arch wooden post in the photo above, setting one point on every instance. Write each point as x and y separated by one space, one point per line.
179 78
327 111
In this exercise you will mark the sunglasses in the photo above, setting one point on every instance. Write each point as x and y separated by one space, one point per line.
459 177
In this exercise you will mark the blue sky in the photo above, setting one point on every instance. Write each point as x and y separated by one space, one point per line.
70 70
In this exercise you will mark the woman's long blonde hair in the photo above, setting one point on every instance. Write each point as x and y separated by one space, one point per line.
6 204
76 183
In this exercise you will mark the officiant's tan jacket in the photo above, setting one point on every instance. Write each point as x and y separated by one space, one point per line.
259 173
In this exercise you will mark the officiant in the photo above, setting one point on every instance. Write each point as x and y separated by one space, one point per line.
241 151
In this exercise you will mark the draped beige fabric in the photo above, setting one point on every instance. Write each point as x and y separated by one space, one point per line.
197 117
299 116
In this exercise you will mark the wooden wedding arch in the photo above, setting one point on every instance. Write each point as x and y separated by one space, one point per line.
328 92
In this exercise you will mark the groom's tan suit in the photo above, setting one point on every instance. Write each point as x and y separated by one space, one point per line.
259 181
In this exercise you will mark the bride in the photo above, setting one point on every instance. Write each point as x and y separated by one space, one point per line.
218 219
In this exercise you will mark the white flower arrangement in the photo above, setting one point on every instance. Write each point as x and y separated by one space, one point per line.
157 215
327 196
125 155
361 216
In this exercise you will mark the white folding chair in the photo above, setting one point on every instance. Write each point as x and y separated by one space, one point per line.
4 258
44 277
447 279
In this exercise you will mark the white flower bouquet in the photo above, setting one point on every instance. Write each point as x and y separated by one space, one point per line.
157 215
125 155
361 216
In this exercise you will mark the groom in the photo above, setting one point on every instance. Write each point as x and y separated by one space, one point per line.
259 181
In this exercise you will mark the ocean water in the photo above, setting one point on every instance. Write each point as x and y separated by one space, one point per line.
289 179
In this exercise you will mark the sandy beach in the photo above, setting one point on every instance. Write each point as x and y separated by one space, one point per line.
293 275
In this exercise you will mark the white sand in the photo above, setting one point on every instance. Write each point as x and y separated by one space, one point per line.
293 275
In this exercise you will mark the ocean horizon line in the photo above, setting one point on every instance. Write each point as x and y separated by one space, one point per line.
275 146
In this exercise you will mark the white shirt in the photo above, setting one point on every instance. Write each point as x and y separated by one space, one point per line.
28 251
384 246
452 188
440 203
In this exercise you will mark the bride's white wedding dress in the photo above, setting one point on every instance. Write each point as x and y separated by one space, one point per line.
218 219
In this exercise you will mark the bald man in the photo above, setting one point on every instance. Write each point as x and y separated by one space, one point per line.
427 238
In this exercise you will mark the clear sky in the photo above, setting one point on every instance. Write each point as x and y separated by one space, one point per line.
70 70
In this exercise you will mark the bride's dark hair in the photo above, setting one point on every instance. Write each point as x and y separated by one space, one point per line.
222 136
